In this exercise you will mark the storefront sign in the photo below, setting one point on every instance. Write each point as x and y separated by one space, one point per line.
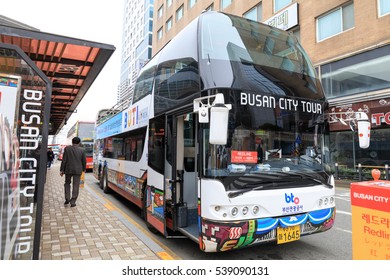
379 118
286 19
377 110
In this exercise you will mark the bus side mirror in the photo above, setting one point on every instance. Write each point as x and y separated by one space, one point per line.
364 129
219 116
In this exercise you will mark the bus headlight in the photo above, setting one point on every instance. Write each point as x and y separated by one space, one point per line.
234 211
326 201
247 211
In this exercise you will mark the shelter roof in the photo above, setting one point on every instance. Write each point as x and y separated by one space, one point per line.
70 64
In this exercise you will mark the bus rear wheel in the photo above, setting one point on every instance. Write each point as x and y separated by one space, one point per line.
104 182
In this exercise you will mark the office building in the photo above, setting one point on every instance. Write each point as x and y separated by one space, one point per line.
348 43
136 43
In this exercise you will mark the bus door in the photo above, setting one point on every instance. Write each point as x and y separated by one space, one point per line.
181 174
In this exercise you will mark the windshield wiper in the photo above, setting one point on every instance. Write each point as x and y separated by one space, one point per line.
237 193
311 177
262 185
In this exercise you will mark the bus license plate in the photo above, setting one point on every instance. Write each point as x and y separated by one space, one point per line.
288 234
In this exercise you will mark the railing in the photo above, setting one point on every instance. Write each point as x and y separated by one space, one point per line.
361 173
116 109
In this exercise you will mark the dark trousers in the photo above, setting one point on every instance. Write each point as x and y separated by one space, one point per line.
75 185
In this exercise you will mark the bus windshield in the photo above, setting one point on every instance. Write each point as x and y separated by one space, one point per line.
88 147
268 141
276 101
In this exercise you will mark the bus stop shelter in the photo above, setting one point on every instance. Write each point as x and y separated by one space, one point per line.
43 78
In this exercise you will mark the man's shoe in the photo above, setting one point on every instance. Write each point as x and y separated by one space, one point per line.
66 202
73 205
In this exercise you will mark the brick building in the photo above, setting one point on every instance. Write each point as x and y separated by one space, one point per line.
347 41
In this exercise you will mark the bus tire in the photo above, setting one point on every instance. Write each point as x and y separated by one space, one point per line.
144 211
101 178
104 182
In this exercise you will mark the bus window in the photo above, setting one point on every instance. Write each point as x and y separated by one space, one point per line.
117 144
144 84
189 143
176 81
156 145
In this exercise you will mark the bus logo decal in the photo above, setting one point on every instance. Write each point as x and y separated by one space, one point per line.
131 117
291 198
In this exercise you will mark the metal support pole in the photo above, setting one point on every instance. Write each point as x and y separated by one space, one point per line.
360 171
386 172
336 171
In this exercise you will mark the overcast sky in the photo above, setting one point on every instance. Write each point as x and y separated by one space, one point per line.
94 20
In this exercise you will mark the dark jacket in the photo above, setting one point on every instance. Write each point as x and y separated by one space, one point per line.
50 155
74 160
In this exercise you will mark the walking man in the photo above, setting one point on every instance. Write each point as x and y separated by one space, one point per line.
50 157
73 164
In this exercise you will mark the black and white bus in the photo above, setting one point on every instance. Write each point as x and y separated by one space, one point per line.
225 140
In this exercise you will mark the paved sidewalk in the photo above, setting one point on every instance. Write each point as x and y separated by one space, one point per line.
343 183
92 230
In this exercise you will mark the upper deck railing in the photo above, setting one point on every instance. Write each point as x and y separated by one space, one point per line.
104 115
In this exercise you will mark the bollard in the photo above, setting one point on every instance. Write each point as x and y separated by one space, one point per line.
386 172
336 171
360 171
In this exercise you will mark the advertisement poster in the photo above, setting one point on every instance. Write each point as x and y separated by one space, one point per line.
9 164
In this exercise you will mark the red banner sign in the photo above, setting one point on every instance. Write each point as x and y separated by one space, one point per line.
244 157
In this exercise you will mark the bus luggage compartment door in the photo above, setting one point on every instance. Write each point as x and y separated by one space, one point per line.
181 215
180 208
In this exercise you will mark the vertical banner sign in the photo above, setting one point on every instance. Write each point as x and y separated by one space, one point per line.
370 220
29 145
9 164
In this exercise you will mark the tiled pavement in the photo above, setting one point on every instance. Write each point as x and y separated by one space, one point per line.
93 230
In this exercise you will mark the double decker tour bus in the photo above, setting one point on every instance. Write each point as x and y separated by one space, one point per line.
225 140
